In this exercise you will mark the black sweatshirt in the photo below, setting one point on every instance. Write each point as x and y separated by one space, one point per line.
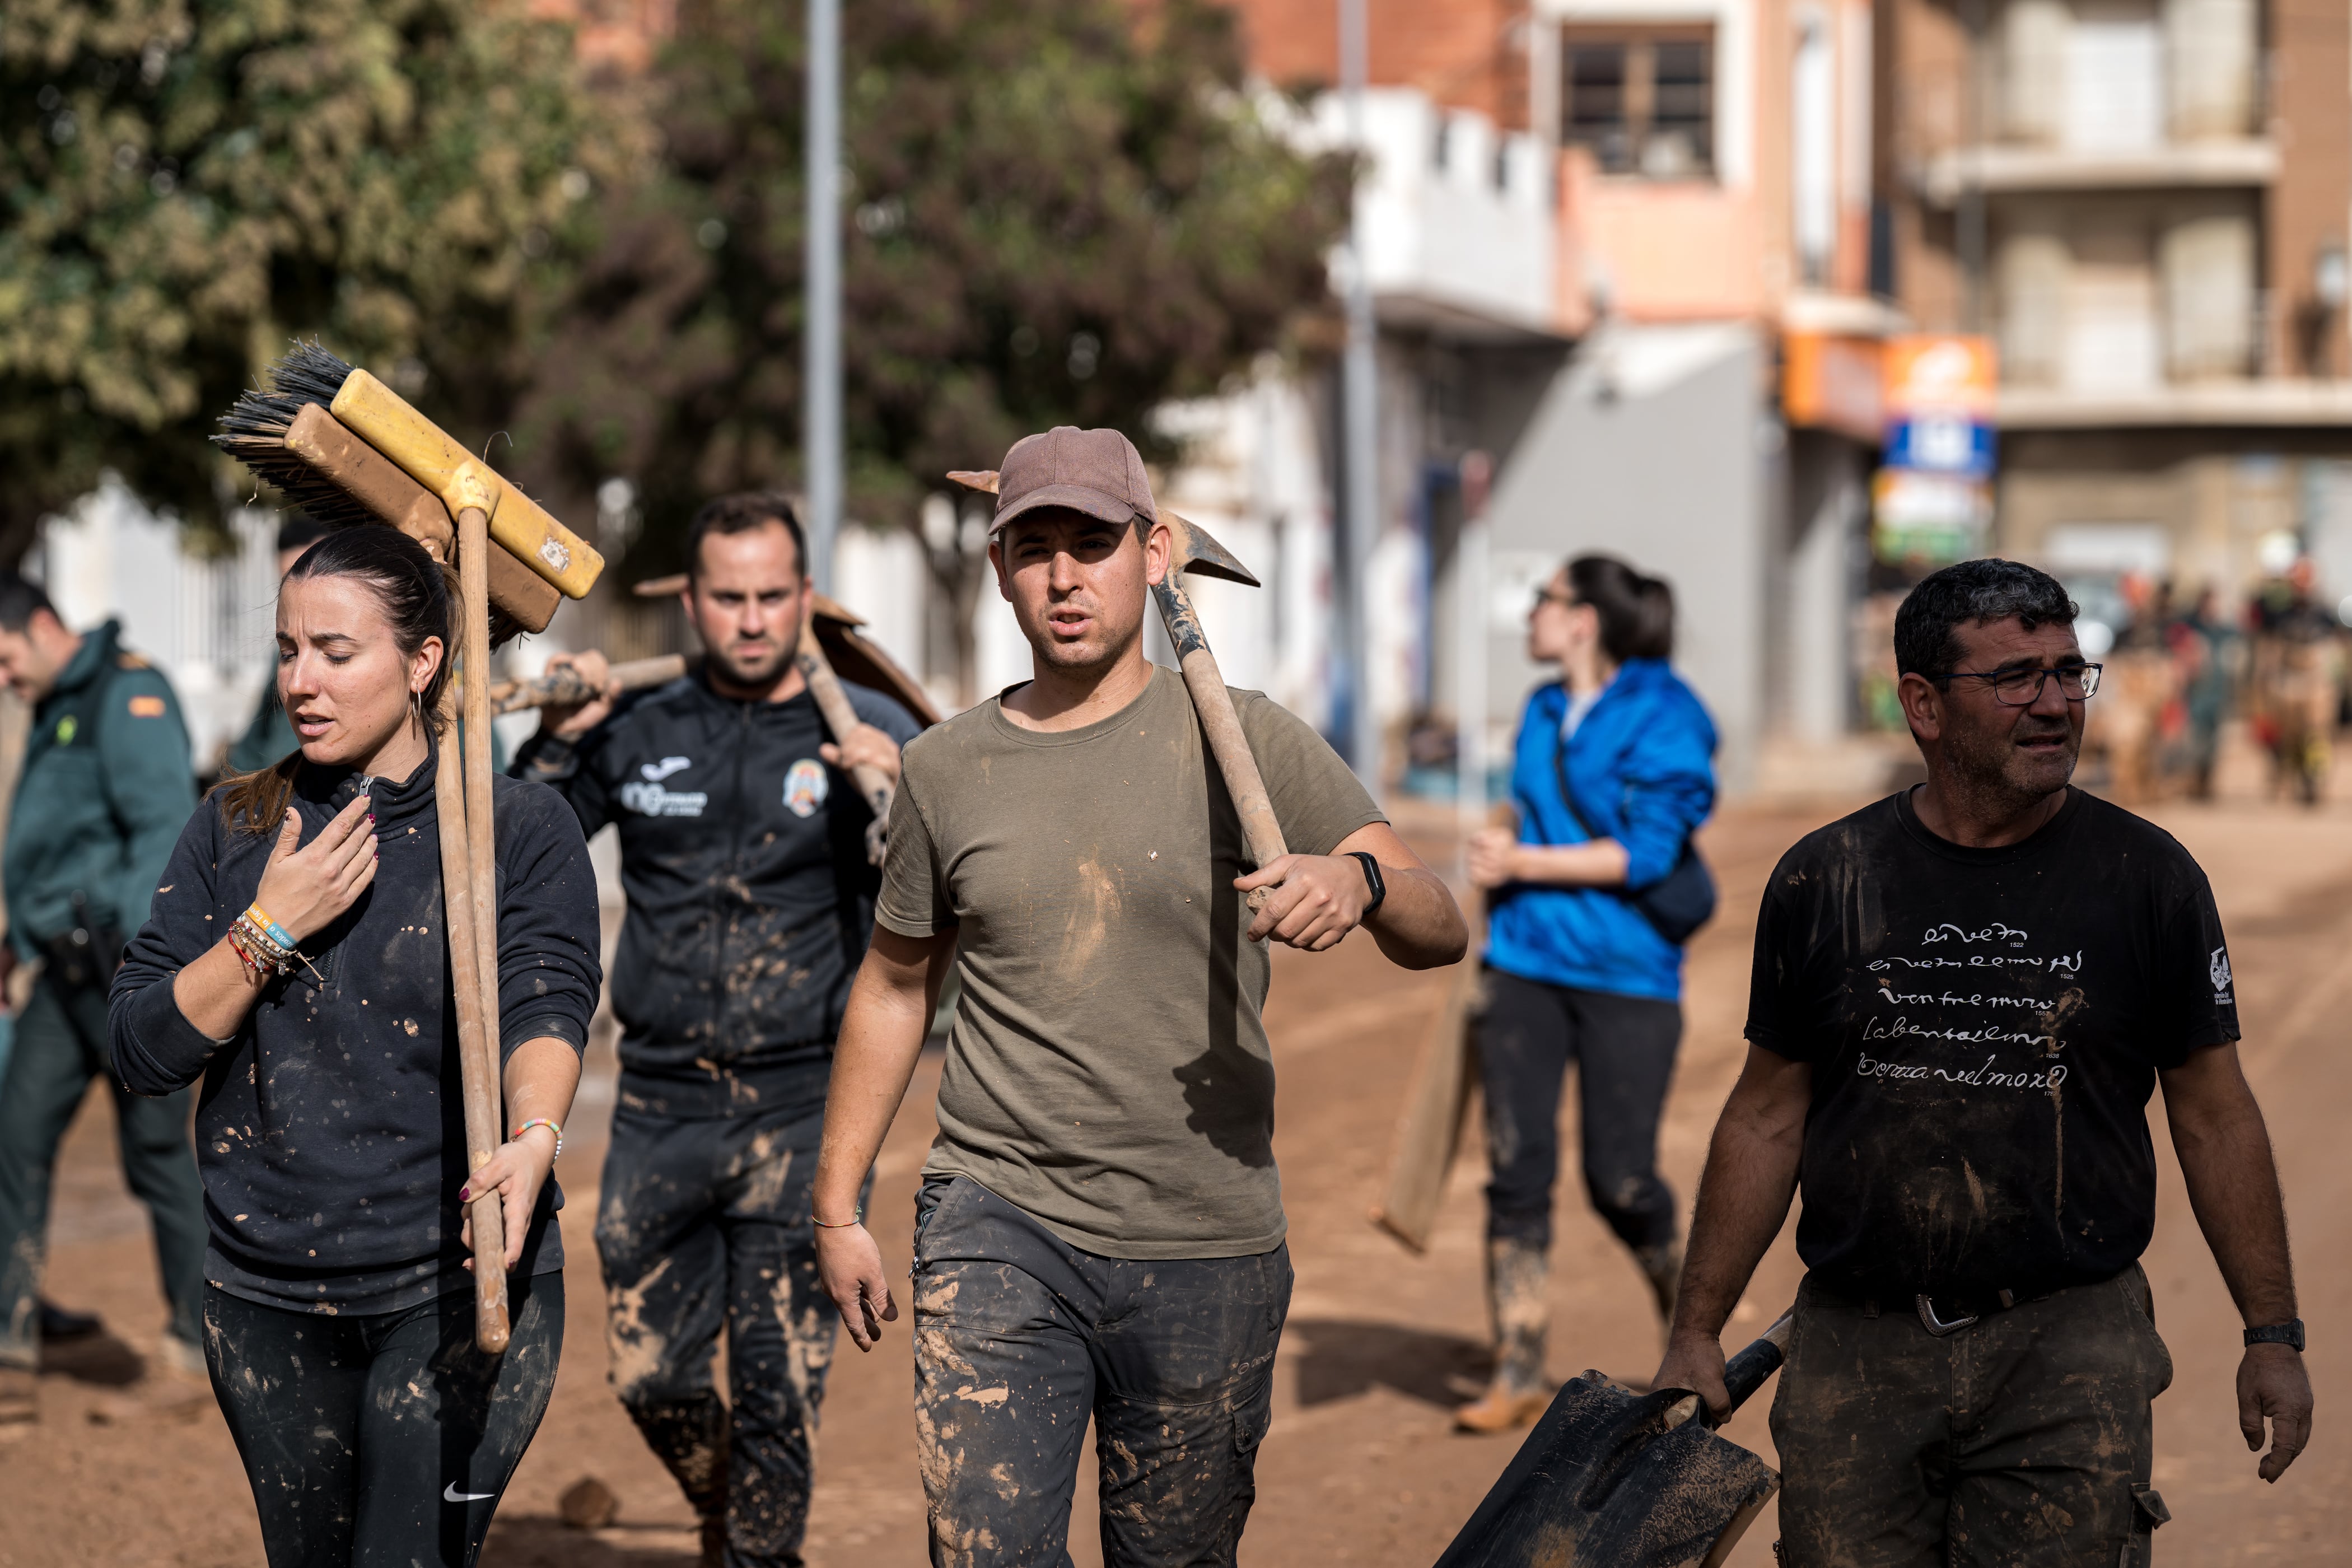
743 856
331 1127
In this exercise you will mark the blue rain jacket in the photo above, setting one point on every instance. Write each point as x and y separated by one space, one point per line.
1643 768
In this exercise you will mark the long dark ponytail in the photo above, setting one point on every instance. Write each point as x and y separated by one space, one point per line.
1637 613
415 593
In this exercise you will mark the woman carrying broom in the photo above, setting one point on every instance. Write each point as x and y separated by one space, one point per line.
296 962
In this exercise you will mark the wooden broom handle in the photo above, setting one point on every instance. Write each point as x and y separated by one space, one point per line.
840 718
465 761
1227 741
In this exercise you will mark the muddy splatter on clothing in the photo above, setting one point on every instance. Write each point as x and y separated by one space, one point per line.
1020 1337
2023 1438
330 1130
743 856
705 1224
382 1438
1624 1051
1108 1070
1985 1027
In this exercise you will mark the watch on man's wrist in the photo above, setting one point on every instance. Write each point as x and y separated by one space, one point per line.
1372 880
2277 1335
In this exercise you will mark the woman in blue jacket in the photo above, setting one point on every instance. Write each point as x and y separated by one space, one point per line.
1588 903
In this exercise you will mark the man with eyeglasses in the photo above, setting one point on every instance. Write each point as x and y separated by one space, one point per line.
1963 998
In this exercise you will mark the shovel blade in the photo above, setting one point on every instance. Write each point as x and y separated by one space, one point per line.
1602 1481
1194 550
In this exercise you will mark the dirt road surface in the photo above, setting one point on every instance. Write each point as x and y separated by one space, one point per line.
128 1465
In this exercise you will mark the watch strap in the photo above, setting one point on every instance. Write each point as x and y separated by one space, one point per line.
2277 1335
1372 880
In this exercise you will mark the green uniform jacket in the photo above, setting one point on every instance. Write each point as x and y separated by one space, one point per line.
106 790
268 738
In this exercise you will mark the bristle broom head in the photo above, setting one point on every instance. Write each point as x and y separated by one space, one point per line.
254 432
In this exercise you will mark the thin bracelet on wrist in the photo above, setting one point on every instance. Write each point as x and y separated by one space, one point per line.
859 1214
547 1121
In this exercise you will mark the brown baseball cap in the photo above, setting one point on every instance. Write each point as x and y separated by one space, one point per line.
1096 472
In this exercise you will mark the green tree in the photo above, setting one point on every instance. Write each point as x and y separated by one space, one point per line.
1058 215
186 184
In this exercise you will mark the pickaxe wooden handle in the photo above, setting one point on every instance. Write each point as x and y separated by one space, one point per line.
563 687
1228 742
1192 549
841 718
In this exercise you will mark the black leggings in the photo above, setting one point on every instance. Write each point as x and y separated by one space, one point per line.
1624 1050
383 1440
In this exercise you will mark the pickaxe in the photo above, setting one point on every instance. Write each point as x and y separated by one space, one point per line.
1190 549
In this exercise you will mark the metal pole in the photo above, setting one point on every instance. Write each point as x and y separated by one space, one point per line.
1359 392
821 439
1470 647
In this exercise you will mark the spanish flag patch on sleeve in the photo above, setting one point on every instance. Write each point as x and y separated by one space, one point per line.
147 706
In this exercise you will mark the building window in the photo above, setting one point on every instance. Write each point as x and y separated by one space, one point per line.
1643 100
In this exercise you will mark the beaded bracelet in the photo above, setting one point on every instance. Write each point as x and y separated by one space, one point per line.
255 946
252 965
547 1121
837 1224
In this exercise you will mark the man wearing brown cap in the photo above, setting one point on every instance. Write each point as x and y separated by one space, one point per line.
1099 1230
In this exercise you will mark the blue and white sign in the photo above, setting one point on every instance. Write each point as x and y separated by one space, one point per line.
1941 443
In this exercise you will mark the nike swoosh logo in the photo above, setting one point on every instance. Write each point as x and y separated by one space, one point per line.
451 1494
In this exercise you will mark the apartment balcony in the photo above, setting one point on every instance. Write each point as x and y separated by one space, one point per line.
2274 403
1460 220
2236 163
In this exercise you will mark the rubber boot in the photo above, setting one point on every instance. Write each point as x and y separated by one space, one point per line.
1516 1275
1662 1268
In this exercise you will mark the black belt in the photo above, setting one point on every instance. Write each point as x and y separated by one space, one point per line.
1948 1311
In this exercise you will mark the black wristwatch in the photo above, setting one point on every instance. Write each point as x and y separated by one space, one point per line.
1371 879
2277 1335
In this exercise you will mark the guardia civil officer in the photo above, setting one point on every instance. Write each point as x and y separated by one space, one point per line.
744 855
106 786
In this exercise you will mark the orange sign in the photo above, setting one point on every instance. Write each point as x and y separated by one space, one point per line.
1940 373
1831 384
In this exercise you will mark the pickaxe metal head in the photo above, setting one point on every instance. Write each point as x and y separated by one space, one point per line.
1191 548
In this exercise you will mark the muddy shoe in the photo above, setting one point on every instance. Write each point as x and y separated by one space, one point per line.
20 1396
181 1359
1516 1275
59 1324
1662 1268
1501 1409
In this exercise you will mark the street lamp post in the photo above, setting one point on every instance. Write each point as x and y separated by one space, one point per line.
1359 393
820 438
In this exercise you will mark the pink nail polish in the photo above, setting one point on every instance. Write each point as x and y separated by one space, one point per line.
465 1194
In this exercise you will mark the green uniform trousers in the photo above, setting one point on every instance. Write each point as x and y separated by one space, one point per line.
60 1045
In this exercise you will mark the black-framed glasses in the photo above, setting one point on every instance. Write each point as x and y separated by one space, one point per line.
1547 594
2022 688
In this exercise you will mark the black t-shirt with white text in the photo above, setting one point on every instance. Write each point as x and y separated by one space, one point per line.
1985 1027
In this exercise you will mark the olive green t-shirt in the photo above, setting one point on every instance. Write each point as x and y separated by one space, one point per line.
1108 1070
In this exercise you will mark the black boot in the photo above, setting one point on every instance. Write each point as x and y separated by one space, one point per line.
59 1324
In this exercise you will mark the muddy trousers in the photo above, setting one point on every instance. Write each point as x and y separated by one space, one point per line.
381 1440
60 1045
1020 1337
1624 1049
704 1226
2022 1441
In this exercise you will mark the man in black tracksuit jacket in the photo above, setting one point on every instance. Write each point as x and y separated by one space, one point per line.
743 856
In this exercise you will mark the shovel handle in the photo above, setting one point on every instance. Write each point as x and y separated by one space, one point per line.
1746 1372
1228 742
841 718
